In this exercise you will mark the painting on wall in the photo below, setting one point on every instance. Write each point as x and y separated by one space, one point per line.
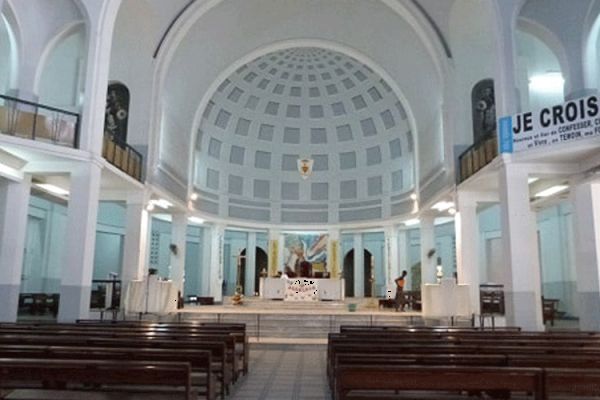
306 254
484 109
117 111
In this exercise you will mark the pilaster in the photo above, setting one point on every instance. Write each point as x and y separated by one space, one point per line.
428 261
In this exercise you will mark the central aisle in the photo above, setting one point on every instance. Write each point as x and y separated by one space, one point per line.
284 372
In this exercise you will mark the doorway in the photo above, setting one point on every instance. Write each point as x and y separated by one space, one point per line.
349 273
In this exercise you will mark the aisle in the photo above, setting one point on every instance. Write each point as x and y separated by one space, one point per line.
284 372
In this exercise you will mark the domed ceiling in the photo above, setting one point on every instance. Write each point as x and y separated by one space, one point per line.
304 103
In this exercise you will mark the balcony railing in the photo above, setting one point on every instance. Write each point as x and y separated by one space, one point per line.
122 156
477 156
38 122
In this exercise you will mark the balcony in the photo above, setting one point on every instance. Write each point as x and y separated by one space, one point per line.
28 120
477 156
122 156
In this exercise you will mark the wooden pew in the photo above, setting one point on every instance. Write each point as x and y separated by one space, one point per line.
16 373
217 349
199 360
377 380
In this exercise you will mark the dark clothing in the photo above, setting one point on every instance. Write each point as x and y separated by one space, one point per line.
399 300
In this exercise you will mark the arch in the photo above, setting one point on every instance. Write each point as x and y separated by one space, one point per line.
282 45
406 11
11 22
591 42
551 41
68 30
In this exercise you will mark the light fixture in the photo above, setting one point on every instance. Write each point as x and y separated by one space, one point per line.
194 196
10 172
552 190
452 211
532 180
52 189
413 196
442 205
150 207
162 203
411 222
549 82
196 220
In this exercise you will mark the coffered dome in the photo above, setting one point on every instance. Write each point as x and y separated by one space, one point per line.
304 102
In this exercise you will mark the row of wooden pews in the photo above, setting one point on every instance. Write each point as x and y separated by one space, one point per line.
194 360
379 362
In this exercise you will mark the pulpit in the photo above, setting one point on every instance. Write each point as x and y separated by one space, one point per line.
446 299
151 295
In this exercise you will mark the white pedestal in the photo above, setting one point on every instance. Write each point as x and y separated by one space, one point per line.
445 300
296 289
152 296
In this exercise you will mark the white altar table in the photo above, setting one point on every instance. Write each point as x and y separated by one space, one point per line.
302 289
445 300
151 295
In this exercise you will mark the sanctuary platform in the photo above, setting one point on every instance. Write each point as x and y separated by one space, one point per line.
278 321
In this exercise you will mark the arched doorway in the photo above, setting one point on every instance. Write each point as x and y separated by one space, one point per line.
262 262
241 271
367 269
349 273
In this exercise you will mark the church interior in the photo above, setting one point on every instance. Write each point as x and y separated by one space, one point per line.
299 199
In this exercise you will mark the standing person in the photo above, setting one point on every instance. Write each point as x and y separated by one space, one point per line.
400 282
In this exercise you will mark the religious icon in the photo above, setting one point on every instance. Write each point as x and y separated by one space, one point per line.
484 109
305 167
117 111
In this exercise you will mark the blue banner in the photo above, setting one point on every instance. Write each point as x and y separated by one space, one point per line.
505 137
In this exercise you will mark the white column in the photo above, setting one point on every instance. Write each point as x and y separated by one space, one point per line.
467 246
206 270
275 251
403 260
14 203
333 253
216 262
135 247
179 239
586 198
359 266
427 237
520 243
78 266
391 259
250 273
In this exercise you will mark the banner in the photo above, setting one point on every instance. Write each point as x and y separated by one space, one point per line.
568 122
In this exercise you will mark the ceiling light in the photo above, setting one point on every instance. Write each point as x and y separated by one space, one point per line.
442 205
194 196
452 211
162 203
550 82
196 220
53 189
150 207
532 180
551 191
413 196
411 222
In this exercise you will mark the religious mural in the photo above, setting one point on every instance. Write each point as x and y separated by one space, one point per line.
117 111
305 254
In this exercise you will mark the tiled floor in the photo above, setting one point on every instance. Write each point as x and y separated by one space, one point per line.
284 372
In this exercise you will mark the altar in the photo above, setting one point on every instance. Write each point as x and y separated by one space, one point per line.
302 289
446 299
151 295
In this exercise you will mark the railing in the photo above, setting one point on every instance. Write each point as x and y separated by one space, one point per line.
122 156
38 122
477 156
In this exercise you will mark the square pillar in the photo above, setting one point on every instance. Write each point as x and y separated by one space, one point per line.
135 248
78 266
275 252
403 260
427 238
586 201
14 206
359 266
519 239
333 253
467 247
391 260
179 239
216 262
205 288
250 272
